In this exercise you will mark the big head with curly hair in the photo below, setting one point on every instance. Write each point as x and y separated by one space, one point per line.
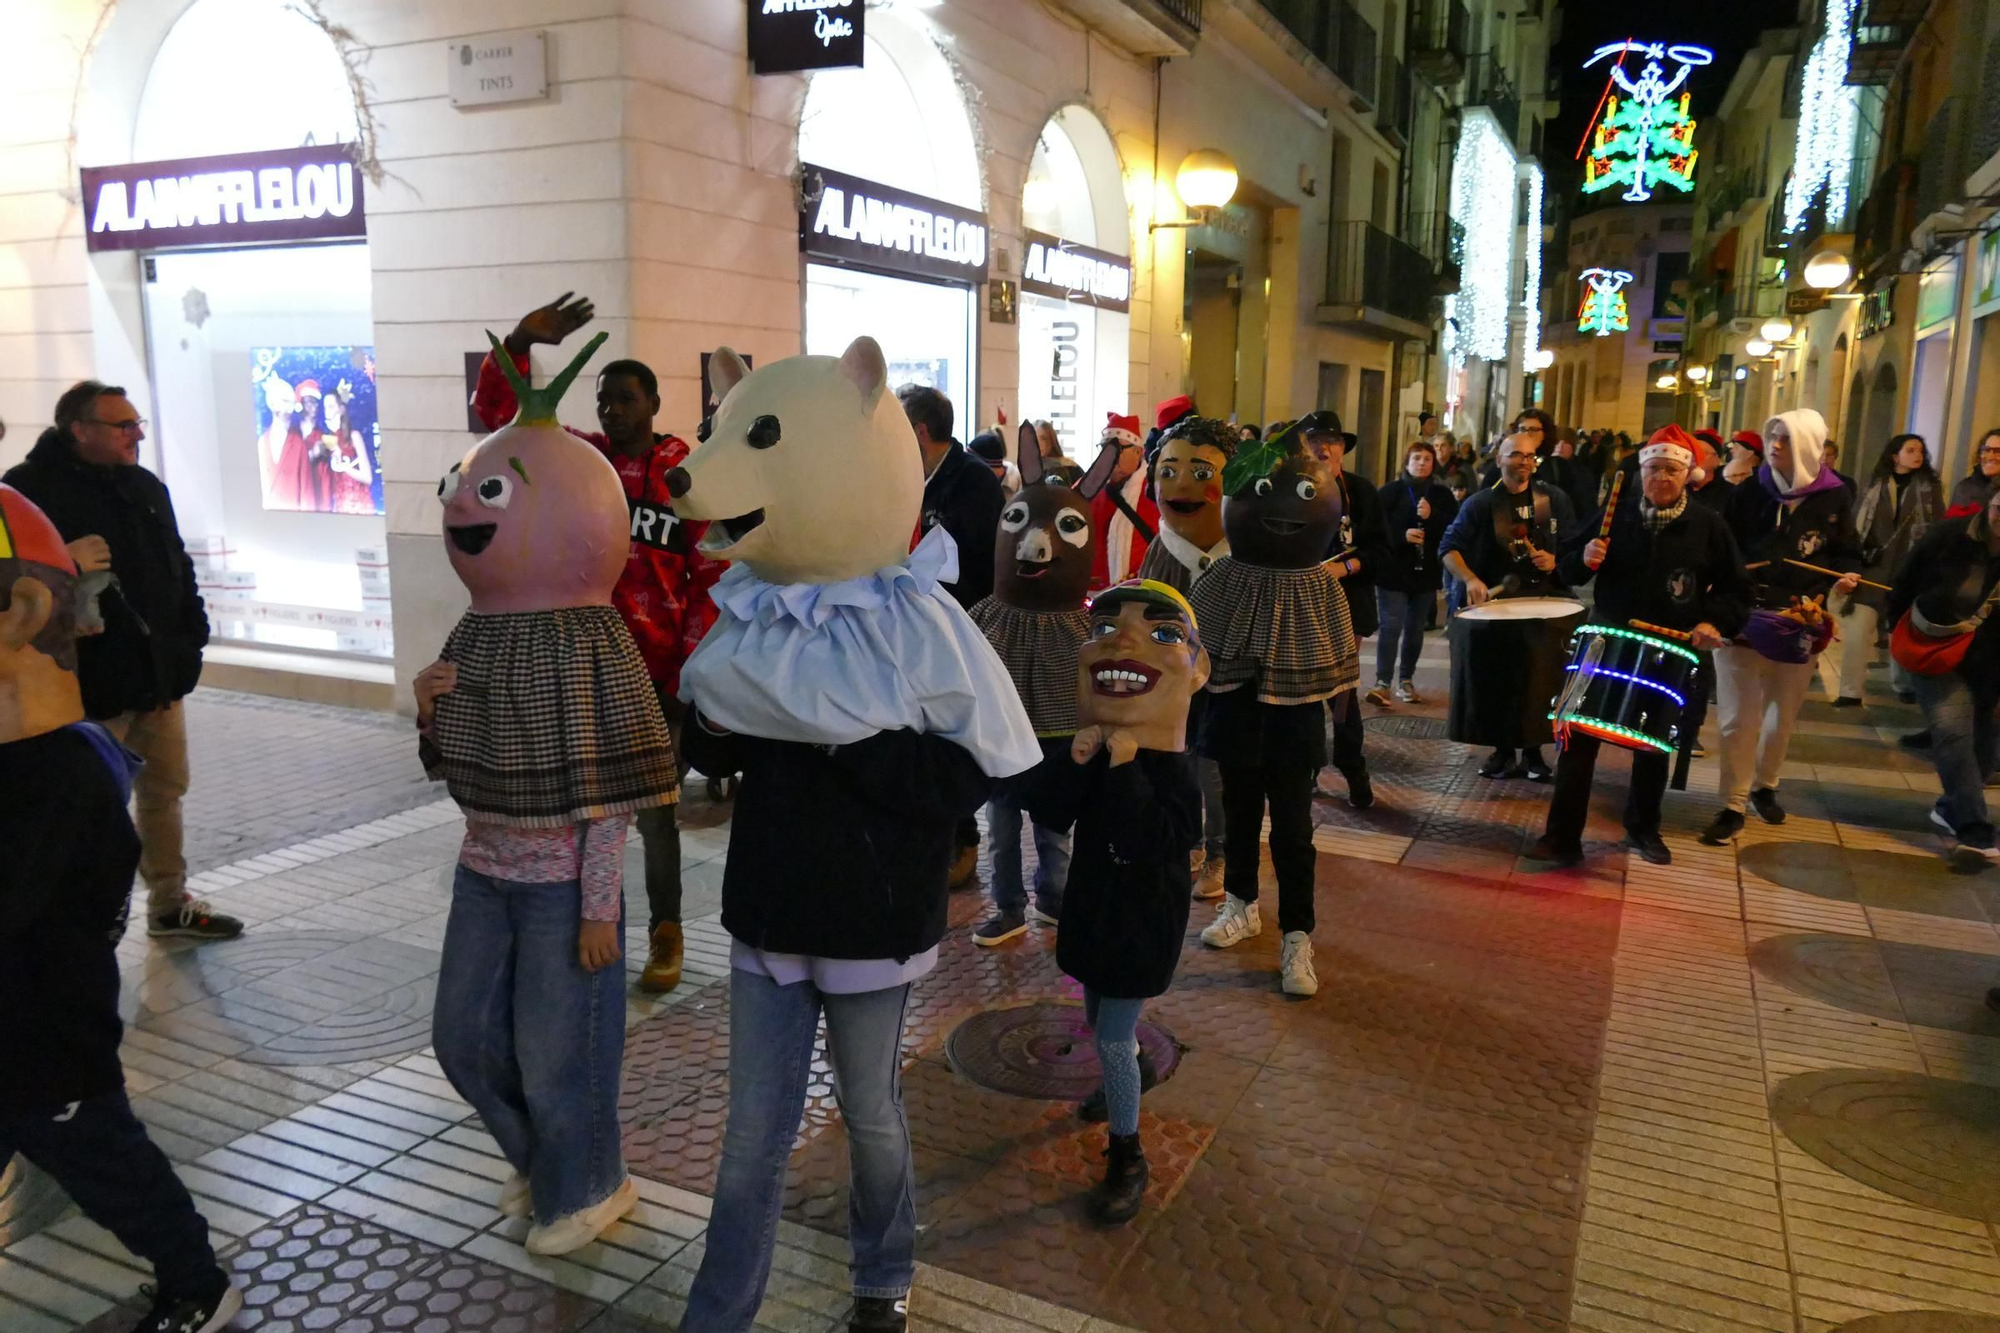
1187 478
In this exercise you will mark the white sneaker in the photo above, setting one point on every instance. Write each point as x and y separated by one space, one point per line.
514 1197
1036 916
1295 965
1234 923
1406 693
578 1229
1209 887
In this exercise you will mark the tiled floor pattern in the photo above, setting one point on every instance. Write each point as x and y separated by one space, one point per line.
1402 1152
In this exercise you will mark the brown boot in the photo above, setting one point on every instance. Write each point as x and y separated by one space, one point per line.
663 961
964 868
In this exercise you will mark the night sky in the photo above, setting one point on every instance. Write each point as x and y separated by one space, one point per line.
1726 27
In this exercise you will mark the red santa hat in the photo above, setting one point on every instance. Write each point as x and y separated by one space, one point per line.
1172 410
1750 440
1123 430
308 389
1669 442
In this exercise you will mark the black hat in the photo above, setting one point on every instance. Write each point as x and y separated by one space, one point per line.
1326 421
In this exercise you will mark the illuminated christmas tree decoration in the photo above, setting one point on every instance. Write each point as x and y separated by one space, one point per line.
1604 310
1646 138
1827 118
1531 294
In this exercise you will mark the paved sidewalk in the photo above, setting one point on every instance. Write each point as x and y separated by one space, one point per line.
1754 1090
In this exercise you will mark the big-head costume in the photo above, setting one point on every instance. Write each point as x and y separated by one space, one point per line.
1186 474
867 715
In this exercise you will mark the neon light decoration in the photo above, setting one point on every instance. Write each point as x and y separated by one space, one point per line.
1828 109
1604 311
1646 137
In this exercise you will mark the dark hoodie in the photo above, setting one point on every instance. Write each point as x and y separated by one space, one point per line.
155 626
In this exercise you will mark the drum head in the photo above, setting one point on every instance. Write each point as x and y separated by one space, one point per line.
1524 608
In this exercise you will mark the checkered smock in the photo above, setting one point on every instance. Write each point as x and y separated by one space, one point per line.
1038 649
1284 632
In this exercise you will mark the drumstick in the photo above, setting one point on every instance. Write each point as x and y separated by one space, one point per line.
1661 630
1611 506
1836 574
1755 564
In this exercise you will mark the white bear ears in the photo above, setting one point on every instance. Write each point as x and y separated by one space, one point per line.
864 364
725 371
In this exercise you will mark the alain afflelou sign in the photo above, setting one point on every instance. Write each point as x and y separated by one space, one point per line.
848 220
789 35
285 194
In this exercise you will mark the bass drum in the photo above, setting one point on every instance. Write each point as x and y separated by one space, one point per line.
1627 688
1507 660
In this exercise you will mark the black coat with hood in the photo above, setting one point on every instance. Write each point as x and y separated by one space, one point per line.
155 625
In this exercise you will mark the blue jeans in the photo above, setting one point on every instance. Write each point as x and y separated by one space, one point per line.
1214 843
532 1041
1963 751
1003 826
1115 1023
1403 616
771 1029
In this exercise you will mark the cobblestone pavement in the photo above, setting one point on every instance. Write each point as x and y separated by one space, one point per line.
1751 1091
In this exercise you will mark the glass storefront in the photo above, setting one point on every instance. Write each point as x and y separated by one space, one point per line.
925 328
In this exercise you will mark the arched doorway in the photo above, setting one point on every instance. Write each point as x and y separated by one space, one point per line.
1880 422
1076 282
875 143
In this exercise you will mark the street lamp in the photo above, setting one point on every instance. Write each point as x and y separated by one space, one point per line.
1776 329
1697 374
1668 381
1742 372
1543 359
1205 182
1757 347
1827 269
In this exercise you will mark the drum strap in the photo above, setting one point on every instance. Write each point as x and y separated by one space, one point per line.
1525 578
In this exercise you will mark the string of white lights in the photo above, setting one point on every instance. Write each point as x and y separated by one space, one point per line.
1482 189
1531 295
1827 113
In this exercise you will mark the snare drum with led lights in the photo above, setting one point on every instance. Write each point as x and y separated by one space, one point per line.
1627 688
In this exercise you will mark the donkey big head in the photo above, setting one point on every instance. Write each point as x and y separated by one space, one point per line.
1047 542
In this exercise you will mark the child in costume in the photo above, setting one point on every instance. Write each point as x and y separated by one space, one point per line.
1187 485
540 718
1281 643
1036 620
868 716
1128 788
67 856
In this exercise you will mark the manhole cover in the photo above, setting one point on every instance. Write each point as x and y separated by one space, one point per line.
1044 1051
29 1200
1931 1141
1923 1321
1914 983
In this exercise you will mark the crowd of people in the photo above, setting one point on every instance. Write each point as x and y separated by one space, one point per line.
1135 660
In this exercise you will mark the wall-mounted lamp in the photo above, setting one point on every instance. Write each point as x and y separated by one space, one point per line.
1828 269
1667 382
1742 372
1697 374
1757 347
1206 181
1776 329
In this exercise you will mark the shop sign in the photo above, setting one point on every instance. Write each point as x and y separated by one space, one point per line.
1878 309
789 35
286 194
498 67
852 221
1002 300
1937 294
1986 274
1055 267
1804 301
1667 344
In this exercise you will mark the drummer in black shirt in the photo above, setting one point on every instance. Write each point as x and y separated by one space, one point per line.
1503 544
1670 561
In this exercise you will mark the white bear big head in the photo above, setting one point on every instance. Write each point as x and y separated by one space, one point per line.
810 473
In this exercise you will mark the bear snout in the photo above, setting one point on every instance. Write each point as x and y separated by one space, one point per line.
678 482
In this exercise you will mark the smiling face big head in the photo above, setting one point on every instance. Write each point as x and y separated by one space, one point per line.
810 473
534 520
1285 518
1141 664
1187 478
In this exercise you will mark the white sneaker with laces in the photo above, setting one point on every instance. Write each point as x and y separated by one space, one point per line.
1406 693
1295 965
1234 923
576 1230
514 1197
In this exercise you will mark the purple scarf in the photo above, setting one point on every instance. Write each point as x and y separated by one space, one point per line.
1825 481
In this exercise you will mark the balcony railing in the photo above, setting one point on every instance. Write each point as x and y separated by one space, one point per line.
1185 11
1489 86
1882 224
1440 40
1337 35
1394 111
1368 267
1878 48
1943 174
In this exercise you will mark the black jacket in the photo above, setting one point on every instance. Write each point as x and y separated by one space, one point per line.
155 625
1688 572
64 880
1405 568
1818 530
1714 496
965 498
1361 528
840 851
1947 575
1125 904
1472 534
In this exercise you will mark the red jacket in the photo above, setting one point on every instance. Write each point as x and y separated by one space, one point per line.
1104 514
663 594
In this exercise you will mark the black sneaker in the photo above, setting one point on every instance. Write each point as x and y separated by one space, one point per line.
999 928
1117 1197
1969 858
1916 740
1722 830
1360 791
1537 768
1942 824
1650 848
193 920
879 1314
1764 800
1844 702
1555 853
1496 764
172 1314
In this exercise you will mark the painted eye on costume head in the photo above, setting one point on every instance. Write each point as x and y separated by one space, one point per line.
1014 517
1204 472
1263 486
496 492
448 485
1103 629
764 432
1074 528
1307 490
1166 471
1173 636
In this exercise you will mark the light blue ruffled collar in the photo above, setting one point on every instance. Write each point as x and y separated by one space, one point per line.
753 601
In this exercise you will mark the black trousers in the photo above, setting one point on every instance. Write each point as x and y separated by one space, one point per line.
1287 790
98 1151
1348 735
1577 765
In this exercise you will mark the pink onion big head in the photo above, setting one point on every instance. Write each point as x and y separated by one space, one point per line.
534 518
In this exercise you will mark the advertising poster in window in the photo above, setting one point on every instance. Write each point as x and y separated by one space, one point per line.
317 437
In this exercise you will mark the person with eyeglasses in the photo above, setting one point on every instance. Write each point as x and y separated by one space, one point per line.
1977 486
117 517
